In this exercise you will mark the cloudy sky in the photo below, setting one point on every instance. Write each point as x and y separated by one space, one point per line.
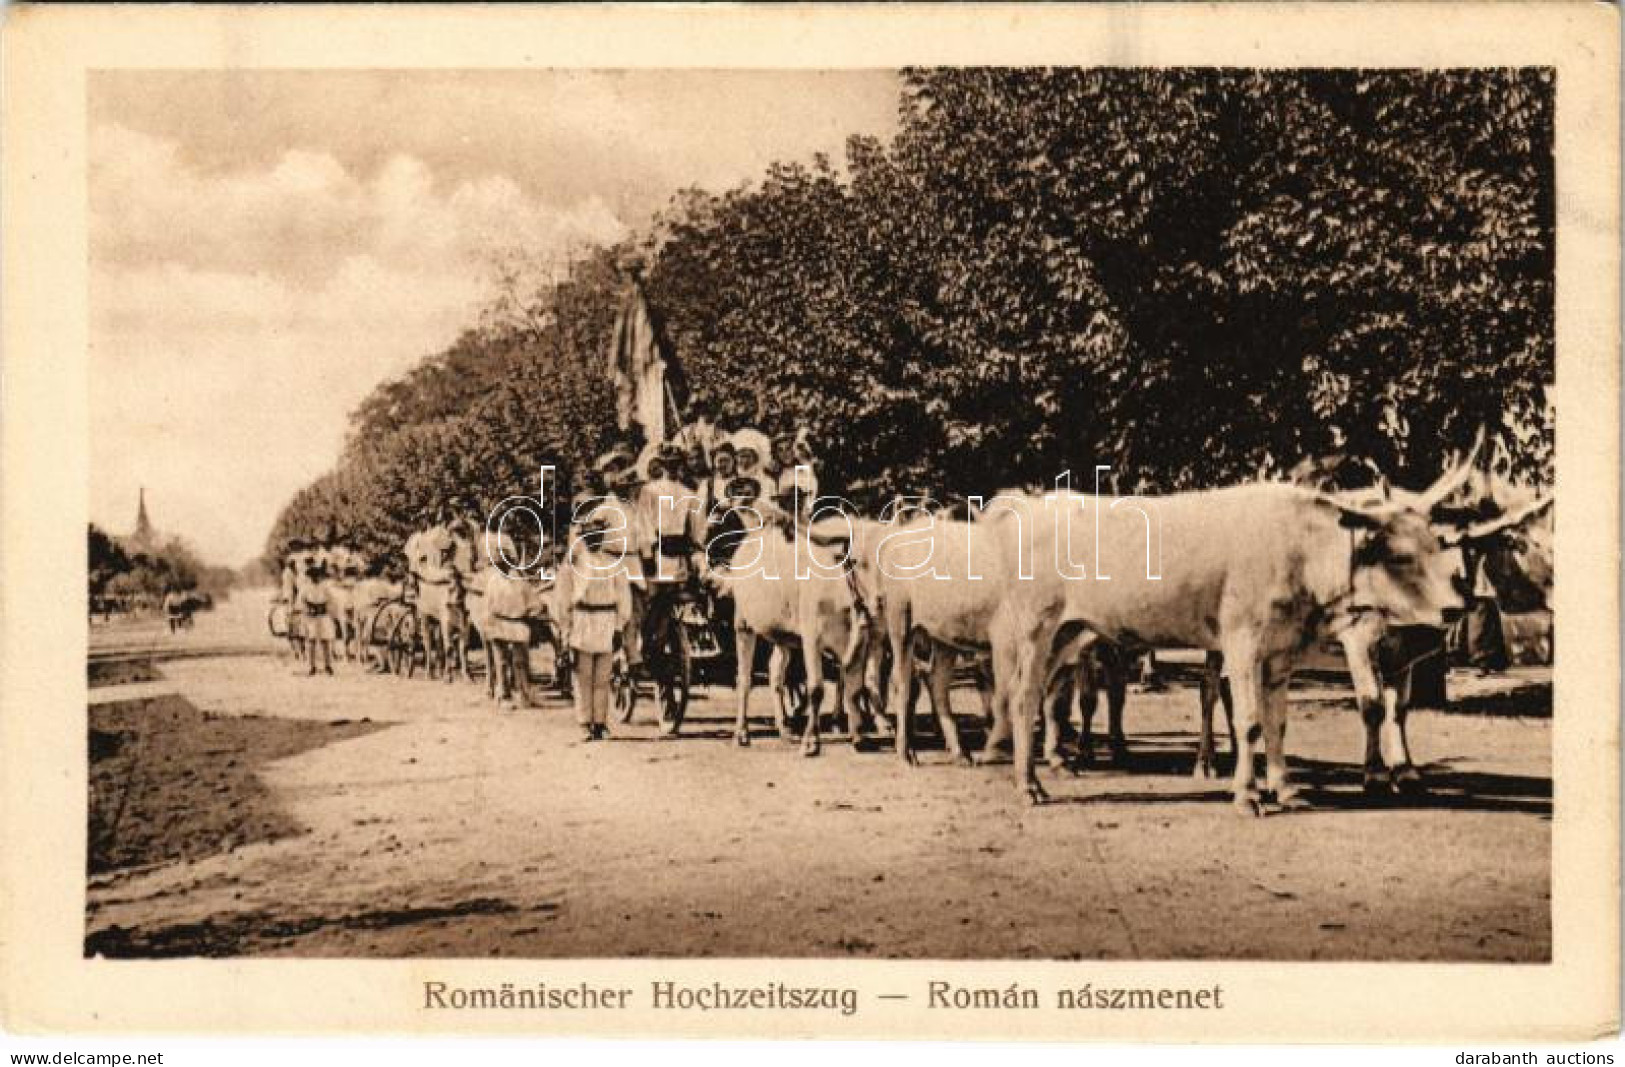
268 246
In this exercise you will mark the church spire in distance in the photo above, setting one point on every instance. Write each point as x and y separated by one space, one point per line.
144 534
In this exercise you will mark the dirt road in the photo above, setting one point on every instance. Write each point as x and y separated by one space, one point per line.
428 823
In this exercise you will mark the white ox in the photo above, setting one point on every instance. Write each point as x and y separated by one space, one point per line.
1255 572
792 590
959 584
1381 657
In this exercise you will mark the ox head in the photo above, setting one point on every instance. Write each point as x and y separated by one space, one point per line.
854 543
1394 554
1400 567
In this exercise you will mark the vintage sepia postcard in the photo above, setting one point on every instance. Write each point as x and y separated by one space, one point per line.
986 521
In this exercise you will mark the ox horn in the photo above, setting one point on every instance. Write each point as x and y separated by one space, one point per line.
1359 515
1453 479
1480 531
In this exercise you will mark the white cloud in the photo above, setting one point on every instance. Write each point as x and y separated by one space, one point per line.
238 317
266 246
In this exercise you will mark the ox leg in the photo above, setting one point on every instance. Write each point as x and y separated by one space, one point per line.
1115 675
431 646
984 689
745 651
464 644
812 661
1368 694
1229 704
998 728
942 678
853 690
1214 690
1026 694
521 673
778 683
854 660
1088 704
493 664
1058 709
1275 706
455 659
1396 701
1209 697
1246 684
874 682
902 683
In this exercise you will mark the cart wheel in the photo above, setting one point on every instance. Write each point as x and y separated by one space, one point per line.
404 640
561 666
365 632
623 687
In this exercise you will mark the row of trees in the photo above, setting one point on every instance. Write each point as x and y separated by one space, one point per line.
136 577
1191 275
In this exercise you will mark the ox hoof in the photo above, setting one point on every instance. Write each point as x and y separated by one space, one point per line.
1061 765
1033 793
1376 783
1408 780
1119 754
1287 798
809 748
909 757
742 738
1248 803
963 759
985 758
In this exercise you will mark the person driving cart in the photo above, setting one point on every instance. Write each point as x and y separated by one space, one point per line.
674 515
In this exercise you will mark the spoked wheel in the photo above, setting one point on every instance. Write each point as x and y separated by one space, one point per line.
372 635
672 668
622 686
280 621
405 640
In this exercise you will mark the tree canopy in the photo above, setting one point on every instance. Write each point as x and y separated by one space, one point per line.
115 570
1193 276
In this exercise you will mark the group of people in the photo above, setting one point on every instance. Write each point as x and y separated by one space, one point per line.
664 508
318 582
656 511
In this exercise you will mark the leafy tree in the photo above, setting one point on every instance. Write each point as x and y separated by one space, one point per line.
1191 275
